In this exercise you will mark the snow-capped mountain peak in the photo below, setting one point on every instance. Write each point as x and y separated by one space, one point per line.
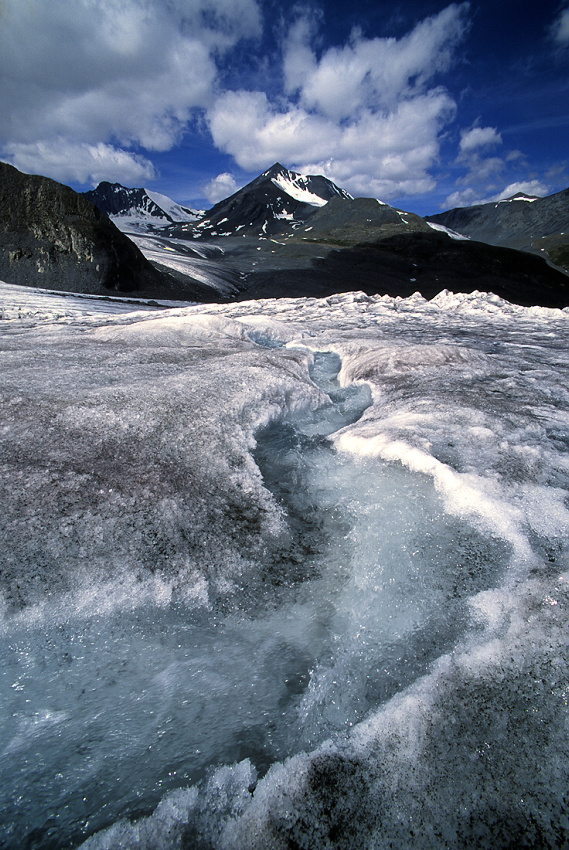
138 209
261 206
520 196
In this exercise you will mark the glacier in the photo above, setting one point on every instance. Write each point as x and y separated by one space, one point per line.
284 574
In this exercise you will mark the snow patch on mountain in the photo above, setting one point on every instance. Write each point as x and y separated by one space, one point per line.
298 192
520 197
315 190
452 233
171 208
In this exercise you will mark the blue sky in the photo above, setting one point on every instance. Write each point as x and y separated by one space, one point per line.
424 104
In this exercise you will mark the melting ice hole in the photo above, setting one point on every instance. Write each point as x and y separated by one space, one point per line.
101 718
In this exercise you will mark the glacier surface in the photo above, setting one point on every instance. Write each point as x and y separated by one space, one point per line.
284 574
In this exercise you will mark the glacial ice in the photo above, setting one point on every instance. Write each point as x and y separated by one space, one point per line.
176 254
248 603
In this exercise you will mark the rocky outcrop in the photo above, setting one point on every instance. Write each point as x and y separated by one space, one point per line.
54 238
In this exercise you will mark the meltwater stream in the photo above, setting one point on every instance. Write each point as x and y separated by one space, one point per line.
102 715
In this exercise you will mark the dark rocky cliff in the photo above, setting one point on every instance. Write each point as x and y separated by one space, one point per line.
54 238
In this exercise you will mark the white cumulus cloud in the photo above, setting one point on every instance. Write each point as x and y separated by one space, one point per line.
371 73
484 171
479 137
469 197
81 163
528 187
119 72
220 187
368 115
381 154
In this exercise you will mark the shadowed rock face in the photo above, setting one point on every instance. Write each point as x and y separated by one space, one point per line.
54 238
349 222
418 262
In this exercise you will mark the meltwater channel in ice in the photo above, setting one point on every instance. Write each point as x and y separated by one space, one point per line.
101 716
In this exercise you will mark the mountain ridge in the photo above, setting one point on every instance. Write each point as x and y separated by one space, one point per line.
528 223
52 237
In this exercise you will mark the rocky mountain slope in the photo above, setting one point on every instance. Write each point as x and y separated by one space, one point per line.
539 225
347 222
403 263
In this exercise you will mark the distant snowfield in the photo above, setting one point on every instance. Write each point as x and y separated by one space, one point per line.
518 198
141 221
285 573
172 208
